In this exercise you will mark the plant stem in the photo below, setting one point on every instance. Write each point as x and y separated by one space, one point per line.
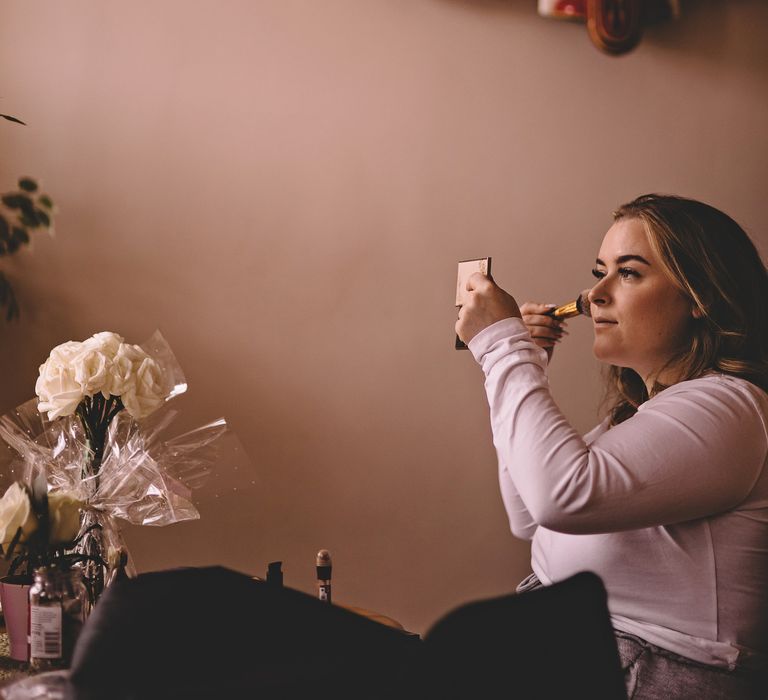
96 413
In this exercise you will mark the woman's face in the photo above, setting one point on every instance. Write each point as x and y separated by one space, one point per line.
641 319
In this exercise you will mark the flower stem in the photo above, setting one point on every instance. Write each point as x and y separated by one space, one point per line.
96 413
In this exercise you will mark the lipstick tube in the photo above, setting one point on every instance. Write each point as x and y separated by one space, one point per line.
324 565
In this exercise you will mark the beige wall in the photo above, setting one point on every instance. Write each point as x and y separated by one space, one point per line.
283 187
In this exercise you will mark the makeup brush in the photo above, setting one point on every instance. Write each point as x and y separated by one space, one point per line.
573 308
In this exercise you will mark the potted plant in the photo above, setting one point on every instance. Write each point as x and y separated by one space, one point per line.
38 530
21 211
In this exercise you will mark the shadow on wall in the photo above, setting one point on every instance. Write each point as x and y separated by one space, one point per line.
704 30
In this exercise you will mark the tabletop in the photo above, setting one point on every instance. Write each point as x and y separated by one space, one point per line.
11 670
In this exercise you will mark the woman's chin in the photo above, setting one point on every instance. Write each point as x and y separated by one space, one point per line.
599 351
604 354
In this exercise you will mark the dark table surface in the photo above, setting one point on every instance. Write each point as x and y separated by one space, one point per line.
11 670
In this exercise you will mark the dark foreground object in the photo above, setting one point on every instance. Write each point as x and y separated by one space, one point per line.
553 643
216 633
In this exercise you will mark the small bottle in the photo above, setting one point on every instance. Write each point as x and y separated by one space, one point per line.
57 605
275 574
324 564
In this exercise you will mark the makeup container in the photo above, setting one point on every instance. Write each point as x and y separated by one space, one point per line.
324 564
275 574
57 604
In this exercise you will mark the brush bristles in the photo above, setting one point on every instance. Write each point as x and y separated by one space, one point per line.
582 303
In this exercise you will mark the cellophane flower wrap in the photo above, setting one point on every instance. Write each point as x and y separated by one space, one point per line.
99 430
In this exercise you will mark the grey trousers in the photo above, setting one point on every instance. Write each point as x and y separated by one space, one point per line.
653 673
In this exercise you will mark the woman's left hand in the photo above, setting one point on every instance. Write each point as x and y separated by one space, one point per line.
486 303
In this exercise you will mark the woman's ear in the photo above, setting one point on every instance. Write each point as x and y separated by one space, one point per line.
696 312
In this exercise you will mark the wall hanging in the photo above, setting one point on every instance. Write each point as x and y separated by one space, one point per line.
614 26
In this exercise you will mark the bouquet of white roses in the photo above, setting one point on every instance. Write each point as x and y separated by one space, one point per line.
99 377
97 431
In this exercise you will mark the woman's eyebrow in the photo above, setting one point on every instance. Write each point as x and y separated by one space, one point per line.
623 259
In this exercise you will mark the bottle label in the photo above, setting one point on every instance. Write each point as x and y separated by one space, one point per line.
45 631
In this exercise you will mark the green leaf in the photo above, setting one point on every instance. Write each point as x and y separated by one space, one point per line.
27 206
46 201
27 184
29 220
14 243
14 543
16 563
43 217
5 229
13 201
12 119
21 235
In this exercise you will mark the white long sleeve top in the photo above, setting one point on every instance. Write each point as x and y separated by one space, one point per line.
669 508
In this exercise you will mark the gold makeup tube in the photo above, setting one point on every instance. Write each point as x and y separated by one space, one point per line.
577 307
324 564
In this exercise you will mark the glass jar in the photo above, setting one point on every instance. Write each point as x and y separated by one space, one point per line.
57 608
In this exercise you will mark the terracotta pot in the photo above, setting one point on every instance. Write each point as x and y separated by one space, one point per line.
14 595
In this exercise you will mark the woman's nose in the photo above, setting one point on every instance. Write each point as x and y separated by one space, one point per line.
597 295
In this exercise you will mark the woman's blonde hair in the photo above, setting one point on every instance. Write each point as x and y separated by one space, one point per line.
715 264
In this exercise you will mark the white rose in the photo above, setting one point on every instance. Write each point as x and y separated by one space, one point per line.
102 363
126 363
16 512
63 517
105 342
135 353
66 352
92 372
120 376
148 390
57 389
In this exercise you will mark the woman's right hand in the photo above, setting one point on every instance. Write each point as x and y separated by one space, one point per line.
546 331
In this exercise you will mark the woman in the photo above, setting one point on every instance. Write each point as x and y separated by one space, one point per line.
666 499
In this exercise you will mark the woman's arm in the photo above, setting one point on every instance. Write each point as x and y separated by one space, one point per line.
546 332
520 521
692 451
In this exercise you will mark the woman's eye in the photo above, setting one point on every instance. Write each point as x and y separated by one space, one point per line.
623 272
